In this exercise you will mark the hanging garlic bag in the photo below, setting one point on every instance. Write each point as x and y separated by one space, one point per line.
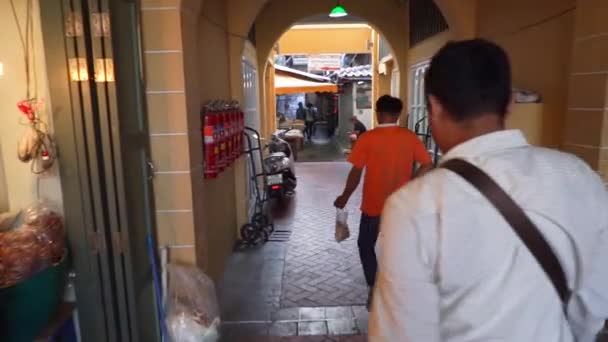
28 146
36 145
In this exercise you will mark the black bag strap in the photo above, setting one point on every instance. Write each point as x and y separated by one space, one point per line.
518 220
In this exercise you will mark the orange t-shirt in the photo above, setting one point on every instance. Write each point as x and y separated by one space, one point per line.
387 154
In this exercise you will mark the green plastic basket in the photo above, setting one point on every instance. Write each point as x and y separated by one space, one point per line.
26 308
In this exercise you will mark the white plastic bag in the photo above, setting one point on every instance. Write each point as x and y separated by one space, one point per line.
192 310
342 232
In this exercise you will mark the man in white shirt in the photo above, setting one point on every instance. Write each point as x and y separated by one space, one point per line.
450 267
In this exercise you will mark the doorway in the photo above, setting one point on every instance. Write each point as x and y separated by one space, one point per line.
93 54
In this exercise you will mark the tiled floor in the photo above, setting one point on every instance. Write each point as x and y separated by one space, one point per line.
335 322
318 270
310 288
321 149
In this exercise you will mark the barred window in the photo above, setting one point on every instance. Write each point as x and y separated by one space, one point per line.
251 34
426 20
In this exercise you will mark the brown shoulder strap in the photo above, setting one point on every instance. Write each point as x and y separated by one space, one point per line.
517 219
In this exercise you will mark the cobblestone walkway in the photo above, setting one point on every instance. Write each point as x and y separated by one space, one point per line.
310 288
318 270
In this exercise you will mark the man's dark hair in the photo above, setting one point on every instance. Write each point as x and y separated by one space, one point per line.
470 78
390 105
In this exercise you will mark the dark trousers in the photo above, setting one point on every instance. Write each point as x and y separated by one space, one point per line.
310 129
368 234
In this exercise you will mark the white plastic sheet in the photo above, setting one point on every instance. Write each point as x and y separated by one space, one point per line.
192 310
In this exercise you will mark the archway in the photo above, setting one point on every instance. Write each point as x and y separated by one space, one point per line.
271 19
458 13
385 16
390 17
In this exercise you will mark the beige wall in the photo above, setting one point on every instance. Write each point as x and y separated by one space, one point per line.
219 217
425 50
320 39
461 16
384 79
538 38
17 183
169 126
188 56
587 117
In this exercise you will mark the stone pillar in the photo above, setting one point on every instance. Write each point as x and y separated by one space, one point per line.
169 128
586 131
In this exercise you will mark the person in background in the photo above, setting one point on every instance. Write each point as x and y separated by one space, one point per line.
451 268
358 129
387 154
301 112
311 117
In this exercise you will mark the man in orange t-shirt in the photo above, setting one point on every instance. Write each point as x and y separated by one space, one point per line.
387 154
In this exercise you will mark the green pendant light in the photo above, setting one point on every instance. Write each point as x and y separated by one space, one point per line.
338 11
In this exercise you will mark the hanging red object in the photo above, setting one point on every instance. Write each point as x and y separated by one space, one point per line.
26 108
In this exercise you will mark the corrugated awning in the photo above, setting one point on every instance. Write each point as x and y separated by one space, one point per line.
287 84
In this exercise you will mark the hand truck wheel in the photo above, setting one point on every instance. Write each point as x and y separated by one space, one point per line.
264 235
250 233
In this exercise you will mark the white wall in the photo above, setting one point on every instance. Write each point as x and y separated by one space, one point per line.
347 104
20 183
395 77
365 115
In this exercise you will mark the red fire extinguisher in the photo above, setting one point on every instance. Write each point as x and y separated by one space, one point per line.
221 163
211 148
235 133
229 135
241 120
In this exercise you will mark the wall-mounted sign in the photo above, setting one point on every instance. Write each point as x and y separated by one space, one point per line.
326 62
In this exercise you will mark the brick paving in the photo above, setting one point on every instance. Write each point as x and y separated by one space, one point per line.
310 288
346 323
318 270
321 149
302 339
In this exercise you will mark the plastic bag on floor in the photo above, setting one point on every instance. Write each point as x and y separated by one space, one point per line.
192 310
342 232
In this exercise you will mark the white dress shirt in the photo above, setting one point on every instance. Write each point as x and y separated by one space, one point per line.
451 269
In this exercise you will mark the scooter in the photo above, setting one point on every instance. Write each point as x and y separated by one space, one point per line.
280 167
